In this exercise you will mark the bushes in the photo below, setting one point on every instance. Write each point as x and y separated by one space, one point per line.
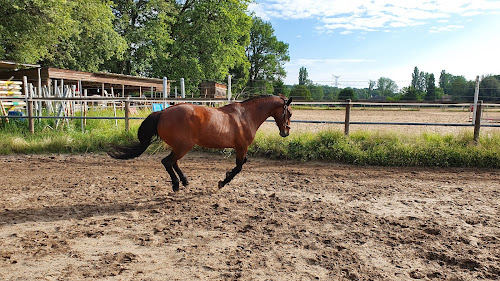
385 149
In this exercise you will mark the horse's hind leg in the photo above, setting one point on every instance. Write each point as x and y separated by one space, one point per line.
182 177
168 162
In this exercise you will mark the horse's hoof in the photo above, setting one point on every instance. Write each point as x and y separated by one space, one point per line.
221 184
185 183
175 188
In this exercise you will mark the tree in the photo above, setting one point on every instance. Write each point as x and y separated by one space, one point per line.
371 86
431 88
279 87
29 29
93 42
329 92
445 82
266 54
415 76
303 76
386 87
409 93
346 93
209 41
301 92
75 34
146 27
316 92
458 88
489 88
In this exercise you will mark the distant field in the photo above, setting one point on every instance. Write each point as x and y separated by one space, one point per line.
432 115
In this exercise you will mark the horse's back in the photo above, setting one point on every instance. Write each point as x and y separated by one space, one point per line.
193 124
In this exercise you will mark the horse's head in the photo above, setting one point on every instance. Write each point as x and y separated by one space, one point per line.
282 117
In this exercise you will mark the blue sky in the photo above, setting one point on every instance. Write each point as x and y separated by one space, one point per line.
363 40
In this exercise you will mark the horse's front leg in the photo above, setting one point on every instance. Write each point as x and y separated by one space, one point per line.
241 158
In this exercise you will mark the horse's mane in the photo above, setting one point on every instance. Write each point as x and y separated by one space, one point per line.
258 97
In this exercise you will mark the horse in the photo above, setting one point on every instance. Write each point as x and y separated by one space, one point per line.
185 125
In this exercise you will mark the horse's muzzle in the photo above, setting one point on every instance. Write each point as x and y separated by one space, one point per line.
284 134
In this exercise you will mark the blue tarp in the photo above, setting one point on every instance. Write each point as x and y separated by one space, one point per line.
158 107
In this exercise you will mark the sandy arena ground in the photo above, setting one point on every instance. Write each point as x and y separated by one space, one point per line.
75 217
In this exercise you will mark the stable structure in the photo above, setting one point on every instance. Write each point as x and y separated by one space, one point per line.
212 89
104 84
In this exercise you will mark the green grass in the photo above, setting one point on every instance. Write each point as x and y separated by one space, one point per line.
385 149
361 148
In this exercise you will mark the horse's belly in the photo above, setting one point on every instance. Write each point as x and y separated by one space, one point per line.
215 138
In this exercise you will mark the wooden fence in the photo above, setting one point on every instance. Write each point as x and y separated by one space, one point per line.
68 103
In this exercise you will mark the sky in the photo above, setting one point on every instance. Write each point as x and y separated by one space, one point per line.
363 40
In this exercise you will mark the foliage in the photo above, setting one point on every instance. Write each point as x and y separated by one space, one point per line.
456 86
419 80
445 81
69 34
301 92
489 88
346 93
93 42
145 25
279 87
386 87
303 76
430 88
316 91
385 149
330 93
29 29
210 37
266 54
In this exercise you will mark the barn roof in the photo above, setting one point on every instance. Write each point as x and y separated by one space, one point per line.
94 79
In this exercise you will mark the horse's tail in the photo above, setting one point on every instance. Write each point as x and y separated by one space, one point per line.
147 131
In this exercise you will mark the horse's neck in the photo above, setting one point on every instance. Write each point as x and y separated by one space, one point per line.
261 109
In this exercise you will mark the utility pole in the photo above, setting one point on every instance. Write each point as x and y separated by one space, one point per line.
336 80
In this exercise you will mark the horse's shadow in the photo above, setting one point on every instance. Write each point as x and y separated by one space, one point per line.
82 211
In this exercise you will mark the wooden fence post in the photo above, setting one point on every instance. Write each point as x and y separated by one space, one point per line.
477 124
29 105
127 113
347 117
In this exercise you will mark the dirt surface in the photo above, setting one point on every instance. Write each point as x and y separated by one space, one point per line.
67 217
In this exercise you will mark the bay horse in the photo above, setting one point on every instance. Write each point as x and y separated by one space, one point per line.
185 125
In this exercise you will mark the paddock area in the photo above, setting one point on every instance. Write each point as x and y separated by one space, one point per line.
75 217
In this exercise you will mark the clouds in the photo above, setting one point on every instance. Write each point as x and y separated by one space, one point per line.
375 15
447 28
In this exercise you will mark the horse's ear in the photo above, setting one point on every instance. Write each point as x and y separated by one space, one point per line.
289 101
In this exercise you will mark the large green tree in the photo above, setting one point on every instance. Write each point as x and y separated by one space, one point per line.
266 54
145 25
386 87
346 93
301 92
445 81
93 41
28 28
75 34
489 88
210 37
430 94
303 76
